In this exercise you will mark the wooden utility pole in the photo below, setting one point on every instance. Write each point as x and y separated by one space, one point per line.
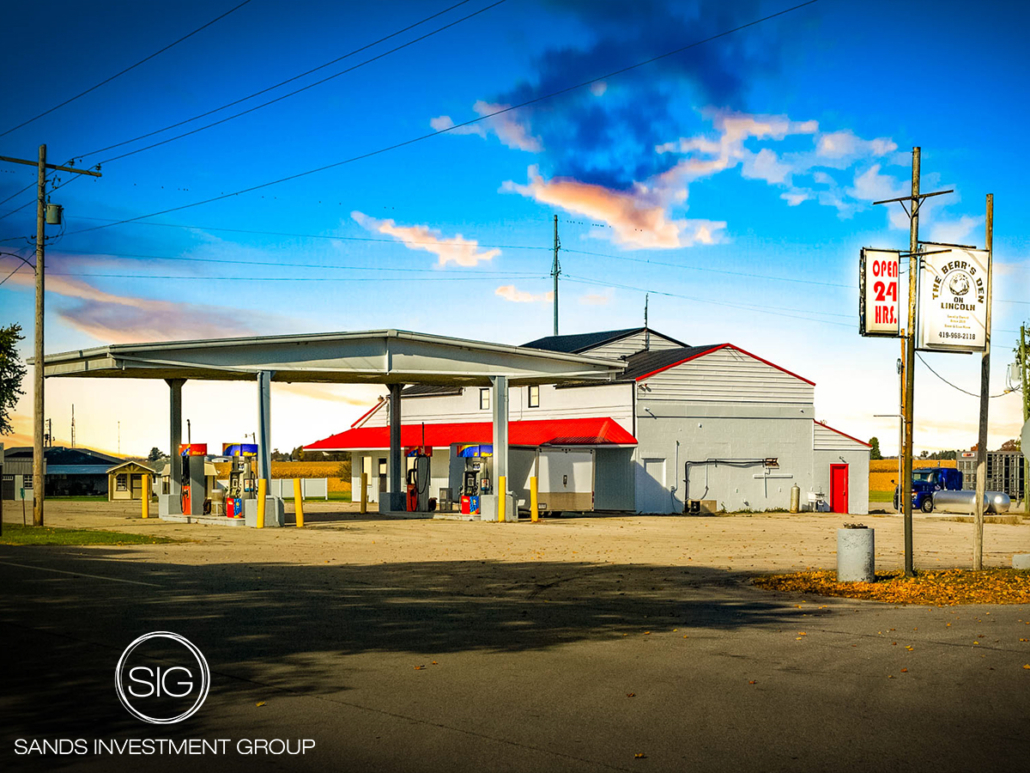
901 415
910 360
555 271
38 464
985 399
1024 373
909 346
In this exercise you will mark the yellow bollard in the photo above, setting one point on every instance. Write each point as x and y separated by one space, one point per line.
534 500
262 489
502 492
364 492
298 503
146 496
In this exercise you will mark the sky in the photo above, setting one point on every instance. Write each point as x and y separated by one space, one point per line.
732 181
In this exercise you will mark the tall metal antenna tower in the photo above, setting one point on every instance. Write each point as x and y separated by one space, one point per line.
73 425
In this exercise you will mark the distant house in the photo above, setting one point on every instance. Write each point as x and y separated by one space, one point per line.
125 481
70 472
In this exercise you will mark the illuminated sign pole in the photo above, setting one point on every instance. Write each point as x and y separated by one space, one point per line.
905 485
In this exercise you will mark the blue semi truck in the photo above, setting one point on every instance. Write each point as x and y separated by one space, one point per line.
925 482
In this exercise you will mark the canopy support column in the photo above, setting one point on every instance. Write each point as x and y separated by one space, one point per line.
174 440
499 402
264 433
395 465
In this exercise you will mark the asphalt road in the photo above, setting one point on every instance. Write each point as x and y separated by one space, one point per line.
523 667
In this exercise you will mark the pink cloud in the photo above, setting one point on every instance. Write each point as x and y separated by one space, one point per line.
454 249
511 293
638 217
119 319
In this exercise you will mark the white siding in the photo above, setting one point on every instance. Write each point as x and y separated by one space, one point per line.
613 401
826 439
631 344
727 375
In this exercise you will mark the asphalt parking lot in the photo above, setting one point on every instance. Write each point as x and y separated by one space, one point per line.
574 645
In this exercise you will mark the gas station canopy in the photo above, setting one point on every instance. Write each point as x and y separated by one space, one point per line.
375 357
391 357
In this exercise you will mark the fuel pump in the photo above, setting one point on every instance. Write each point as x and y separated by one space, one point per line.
418 479
241 476
192 481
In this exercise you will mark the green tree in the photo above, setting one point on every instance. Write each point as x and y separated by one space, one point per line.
156 455
874 452
297 454
12 371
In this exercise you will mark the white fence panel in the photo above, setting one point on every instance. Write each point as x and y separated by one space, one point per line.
310 488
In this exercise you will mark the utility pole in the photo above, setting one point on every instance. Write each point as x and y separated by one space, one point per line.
901 415
909 347
555 272
1024 372
38 482
73 425
647 330
985 399
910 360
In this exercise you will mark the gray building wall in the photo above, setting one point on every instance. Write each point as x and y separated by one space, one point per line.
672 433
857 460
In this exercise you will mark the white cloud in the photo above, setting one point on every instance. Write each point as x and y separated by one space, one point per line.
511 293
505 125
959 231
598 299
453 249
845 144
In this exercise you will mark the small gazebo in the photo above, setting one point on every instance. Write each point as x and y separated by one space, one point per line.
125 481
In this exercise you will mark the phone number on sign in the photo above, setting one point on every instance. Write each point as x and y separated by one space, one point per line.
958 336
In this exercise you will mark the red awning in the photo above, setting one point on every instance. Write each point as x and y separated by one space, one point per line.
545 432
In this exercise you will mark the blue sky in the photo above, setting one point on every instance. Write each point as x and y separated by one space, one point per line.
751 157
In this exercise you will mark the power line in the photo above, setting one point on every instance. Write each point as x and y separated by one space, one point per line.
710 270
282 83
302 89
960 389
237 278
324 236
280 264
774 310
127 69
469 122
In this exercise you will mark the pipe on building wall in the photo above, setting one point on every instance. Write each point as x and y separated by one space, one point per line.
716 462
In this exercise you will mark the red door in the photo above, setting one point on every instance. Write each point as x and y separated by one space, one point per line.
839 488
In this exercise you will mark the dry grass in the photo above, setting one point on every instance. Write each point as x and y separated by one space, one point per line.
940 588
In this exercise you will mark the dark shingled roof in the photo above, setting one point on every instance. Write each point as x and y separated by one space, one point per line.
642 363
581 342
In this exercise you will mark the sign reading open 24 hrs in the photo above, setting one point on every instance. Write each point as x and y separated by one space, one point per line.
953 300
879 312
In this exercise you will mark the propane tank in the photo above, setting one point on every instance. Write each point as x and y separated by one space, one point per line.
795 498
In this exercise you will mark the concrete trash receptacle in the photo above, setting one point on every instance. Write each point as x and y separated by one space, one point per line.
856 554
1021 561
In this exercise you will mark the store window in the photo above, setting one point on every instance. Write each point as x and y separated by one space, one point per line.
121 482
484 399
534 397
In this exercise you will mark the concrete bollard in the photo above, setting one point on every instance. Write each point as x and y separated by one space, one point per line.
856 554
1021 561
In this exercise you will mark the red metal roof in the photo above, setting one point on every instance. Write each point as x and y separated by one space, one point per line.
541 432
